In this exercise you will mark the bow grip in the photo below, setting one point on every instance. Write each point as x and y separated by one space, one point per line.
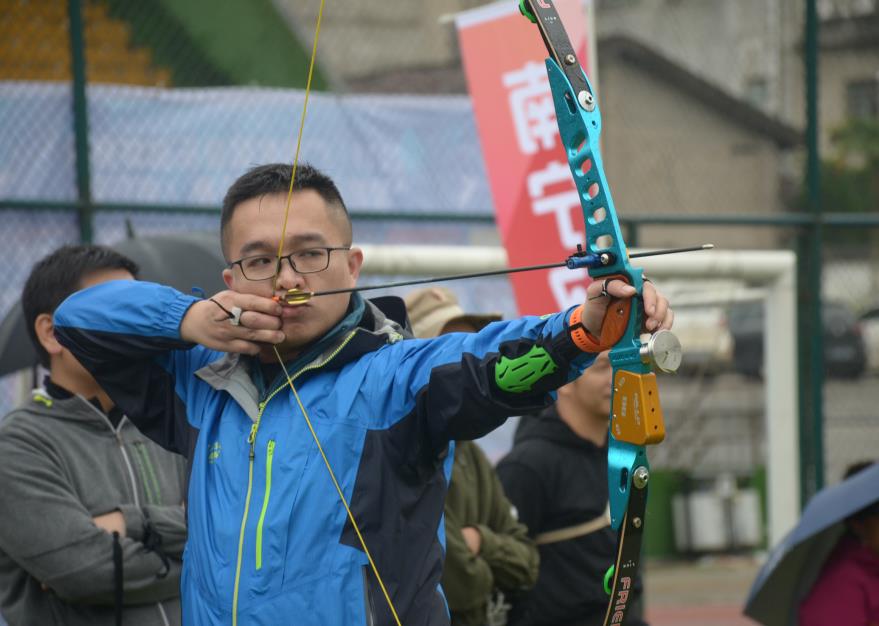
616 319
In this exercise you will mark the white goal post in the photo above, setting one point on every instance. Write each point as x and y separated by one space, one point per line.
773 271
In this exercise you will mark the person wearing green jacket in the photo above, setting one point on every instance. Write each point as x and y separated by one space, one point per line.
489 555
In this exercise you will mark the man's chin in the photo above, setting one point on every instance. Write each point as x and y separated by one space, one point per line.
287 349
299 337
301 332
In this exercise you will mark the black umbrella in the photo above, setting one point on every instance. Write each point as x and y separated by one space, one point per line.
183 261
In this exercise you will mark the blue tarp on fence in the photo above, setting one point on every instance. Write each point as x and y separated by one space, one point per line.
387 153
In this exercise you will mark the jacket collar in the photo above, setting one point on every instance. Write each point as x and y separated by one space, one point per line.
364 328
71 407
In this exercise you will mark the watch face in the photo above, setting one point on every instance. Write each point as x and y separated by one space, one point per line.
665 351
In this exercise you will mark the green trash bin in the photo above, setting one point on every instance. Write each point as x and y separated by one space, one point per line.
659 536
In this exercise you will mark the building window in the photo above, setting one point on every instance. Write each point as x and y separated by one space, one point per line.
862 99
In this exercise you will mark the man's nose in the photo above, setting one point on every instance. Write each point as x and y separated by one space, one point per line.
288 278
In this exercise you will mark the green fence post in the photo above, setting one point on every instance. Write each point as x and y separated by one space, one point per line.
810 327
80 120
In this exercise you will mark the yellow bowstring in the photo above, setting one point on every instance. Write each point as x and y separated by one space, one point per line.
338 488
275 348
289 201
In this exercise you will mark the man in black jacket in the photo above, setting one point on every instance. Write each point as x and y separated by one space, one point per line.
556 476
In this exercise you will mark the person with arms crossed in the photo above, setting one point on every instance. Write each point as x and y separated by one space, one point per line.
489 555
556 476
78 477
270 534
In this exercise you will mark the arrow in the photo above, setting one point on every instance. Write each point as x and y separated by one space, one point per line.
577 260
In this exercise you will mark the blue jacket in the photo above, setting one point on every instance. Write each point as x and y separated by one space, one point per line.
269 541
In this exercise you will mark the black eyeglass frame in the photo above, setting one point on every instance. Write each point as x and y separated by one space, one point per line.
289 257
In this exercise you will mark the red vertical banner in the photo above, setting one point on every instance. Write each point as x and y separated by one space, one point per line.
536 205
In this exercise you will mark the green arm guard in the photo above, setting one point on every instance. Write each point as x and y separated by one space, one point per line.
519 375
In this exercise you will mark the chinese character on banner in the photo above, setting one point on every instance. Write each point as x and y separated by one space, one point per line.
537 208
532 108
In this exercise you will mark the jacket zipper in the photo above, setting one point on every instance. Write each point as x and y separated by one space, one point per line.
251 440
163 615
270 453
128 466
117 432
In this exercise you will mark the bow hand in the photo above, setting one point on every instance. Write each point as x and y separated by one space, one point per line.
603 295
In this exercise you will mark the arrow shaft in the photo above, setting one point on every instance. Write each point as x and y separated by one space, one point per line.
512 270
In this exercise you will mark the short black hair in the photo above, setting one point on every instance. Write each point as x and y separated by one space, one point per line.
275 178
59 275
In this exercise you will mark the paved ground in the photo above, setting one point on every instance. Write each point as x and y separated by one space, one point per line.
707 592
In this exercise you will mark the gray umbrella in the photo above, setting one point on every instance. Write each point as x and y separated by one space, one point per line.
182 261
794 565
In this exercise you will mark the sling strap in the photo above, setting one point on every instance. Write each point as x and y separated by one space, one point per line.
571 532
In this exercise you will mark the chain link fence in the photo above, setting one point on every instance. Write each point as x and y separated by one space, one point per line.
703 115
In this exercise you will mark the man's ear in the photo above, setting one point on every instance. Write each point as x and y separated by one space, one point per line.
45 331
355 262
227 277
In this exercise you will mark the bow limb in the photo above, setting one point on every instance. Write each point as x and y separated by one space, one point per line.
636 416
299 403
